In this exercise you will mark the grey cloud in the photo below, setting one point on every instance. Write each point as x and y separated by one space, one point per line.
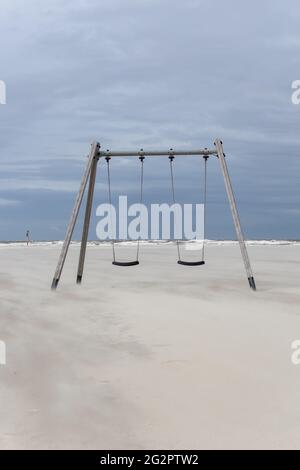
153 74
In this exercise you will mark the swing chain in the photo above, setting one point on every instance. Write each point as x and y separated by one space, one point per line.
204 204
142 158
171 158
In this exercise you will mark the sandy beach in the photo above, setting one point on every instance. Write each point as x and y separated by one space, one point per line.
153 356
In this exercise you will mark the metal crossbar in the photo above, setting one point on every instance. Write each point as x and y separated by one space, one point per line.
156 153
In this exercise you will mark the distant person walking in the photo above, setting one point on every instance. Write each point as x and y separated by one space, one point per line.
28 237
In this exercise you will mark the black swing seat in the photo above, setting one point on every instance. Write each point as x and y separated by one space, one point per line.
191 263
125 263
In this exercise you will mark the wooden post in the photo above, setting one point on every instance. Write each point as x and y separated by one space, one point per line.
93 154
234 212
87 218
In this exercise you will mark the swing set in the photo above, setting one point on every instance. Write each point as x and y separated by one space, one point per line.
90 175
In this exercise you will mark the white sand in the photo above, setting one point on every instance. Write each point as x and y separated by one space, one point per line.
154 356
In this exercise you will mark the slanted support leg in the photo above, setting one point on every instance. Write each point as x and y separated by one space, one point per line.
87 218
93 153
235 215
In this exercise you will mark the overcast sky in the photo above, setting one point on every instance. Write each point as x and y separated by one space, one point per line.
151 74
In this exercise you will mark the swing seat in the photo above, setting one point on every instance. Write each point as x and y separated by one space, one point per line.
191 263
125 263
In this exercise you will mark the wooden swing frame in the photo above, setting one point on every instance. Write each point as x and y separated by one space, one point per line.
90 176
